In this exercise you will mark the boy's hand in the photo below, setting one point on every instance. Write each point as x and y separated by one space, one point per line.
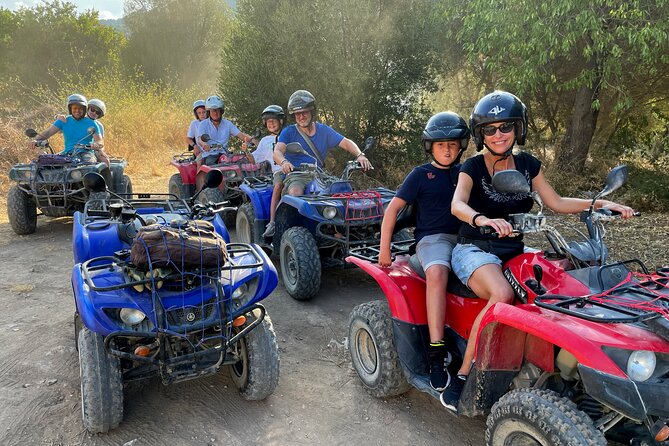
385 259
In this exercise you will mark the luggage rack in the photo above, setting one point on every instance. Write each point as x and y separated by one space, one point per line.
236 253
371 253
639 298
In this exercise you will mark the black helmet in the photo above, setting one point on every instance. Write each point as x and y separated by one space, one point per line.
445 126
498 106
273 112
301 100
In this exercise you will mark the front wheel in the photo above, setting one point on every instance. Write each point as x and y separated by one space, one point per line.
101 384
300 263
373 352
216 196
175 186
126 185
256 375
245 223
539 417
21 211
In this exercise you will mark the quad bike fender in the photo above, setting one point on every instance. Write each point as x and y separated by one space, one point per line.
508 334
186 170
304 208
260 198
93 240
397 288
220 227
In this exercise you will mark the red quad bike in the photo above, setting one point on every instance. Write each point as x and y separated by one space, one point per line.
235 167
580 357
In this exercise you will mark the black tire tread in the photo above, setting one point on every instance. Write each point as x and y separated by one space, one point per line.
309 263
126 187
545 410
391 379
101 384
246 211
21 211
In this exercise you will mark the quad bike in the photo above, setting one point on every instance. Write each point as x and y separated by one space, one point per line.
52 184
234 166
180 317
319 227
581 356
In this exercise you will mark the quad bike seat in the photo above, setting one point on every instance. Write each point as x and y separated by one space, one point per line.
454 286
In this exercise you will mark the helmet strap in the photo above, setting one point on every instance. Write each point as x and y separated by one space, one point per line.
448 166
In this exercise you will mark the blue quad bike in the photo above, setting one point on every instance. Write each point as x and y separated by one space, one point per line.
173 320
317 229
52 184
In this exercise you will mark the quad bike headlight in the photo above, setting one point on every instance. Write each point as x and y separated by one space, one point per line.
329 212
641 365
240 291
76 175
230 174
131 316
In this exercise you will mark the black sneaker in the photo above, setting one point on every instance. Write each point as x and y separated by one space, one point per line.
451 396
439 359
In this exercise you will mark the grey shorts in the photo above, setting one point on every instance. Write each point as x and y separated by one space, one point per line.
435 249
297 179
277 177
468 258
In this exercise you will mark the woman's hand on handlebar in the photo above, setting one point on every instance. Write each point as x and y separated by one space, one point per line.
502 227
625 211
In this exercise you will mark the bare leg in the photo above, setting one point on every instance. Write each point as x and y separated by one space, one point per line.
436 277
488 283
276 197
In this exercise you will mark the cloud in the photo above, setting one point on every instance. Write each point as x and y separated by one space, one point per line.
106 15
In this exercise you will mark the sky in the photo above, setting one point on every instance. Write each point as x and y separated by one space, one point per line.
108 9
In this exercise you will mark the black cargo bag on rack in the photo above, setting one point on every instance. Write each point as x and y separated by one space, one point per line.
194 245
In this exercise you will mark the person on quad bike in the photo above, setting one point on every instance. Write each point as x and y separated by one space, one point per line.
273 118
315 138
96 109
200 115
218 129
430 189
77 129
498 122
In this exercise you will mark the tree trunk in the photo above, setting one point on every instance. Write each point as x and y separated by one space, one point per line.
573 152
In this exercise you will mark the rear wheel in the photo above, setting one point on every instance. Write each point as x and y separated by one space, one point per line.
256 375
373 352
300 263
539 417
101 384
245 223
126 186
21 211
175 186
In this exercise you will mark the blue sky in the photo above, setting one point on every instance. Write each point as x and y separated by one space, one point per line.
108 9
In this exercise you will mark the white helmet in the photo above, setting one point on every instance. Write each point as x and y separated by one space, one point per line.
76 99
98 104
197 104
214 102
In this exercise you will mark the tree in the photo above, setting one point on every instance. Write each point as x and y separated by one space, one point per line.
175 40
52 41
369 65
573 61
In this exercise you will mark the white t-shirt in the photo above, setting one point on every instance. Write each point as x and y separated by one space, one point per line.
265 150
219 135
192 129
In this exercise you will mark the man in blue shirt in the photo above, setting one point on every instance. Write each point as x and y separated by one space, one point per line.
77 129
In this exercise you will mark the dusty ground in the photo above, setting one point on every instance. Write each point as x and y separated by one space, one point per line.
319 399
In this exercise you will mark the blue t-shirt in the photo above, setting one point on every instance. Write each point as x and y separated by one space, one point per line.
431 190
324 139
75 131
217 135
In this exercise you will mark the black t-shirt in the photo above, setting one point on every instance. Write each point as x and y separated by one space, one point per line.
431 190
492 204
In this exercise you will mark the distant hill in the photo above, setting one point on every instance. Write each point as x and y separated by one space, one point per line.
117 24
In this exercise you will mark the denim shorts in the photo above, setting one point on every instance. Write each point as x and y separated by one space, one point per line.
435 249
468 258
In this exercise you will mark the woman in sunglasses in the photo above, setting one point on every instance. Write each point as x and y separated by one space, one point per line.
498 122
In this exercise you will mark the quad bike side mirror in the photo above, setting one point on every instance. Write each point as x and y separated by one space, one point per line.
295 148
205 137
514 182
94 182
370 142
614 180
30 133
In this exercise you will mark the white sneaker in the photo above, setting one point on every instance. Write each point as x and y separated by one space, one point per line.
269 231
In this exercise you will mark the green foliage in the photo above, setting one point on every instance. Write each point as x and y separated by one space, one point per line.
369 67
549 52
175 41
43 44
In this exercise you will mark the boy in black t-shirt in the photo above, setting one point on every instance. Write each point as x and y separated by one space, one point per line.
430 188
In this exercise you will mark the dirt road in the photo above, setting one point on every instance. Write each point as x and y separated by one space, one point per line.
319 399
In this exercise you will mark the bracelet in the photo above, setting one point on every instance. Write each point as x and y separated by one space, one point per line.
285 160
473 220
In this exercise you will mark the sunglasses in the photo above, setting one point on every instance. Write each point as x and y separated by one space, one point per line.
489 130
94 110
